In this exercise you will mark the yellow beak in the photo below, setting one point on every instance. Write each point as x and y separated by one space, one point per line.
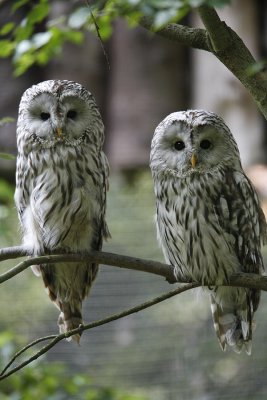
59 132
193 160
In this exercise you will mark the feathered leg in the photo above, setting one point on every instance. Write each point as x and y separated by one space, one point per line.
233 321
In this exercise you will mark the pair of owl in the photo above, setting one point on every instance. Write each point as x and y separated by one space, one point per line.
209 220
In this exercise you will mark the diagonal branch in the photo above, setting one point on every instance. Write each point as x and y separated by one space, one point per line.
21 351
229 48
225 44
58 338
217 30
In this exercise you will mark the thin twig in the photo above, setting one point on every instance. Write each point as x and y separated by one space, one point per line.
98 33
114 317
29 345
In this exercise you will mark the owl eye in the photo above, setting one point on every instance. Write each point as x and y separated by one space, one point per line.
44 116
71 114
205 144
179 145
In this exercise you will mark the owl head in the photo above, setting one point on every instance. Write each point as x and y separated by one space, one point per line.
192 141
57 112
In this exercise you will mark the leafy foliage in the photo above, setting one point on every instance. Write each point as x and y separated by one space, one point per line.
37 38
7 156
50 382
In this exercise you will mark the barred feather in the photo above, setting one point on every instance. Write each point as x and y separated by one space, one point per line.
209 220
61 184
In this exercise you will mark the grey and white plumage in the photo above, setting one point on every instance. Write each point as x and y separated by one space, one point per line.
61 184
209 220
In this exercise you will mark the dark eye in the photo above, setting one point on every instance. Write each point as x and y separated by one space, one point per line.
205 144
44 116
179 145
71 114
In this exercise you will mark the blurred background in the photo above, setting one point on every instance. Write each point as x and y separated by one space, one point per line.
169 351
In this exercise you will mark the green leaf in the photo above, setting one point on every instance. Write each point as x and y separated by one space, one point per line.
23 31
38 13
6 196
18 4
24 63
6 48
79 18
5 337
73 36
6 120
105 27
7 156
7 28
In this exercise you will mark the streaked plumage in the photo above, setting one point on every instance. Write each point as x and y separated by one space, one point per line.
61 184
209 220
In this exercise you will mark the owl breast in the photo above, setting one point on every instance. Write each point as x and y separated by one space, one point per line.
189 228
63 201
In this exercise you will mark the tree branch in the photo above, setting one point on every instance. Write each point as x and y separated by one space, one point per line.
246 280
193 37
217 30
225 44
111 259
28 346
13 252
58 338
229 48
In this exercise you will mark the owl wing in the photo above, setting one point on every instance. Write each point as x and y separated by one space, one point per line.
244 228
252 225
105 168
252 203
241 217
23 182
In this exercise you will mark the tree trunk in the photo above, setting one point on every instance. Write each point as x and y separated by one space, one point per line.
148 80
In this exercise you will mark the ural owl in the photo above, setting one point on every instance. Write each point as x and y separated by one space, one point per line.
61 184
209 220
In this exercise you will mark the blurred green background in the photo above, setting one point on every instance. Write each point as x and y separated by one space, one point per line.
167 352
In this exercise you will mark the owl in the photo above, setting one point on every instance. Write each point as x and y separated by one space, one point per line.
209 220
61 184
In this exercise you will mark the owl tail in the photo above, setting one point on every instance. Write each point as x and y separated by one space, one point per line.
233 325
70 318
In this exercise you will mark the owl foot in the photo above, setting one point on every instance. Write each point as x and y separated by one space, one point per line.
66 325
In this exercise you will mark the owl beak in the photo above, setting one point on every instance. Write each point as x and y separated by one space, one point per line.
193 160
59 132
